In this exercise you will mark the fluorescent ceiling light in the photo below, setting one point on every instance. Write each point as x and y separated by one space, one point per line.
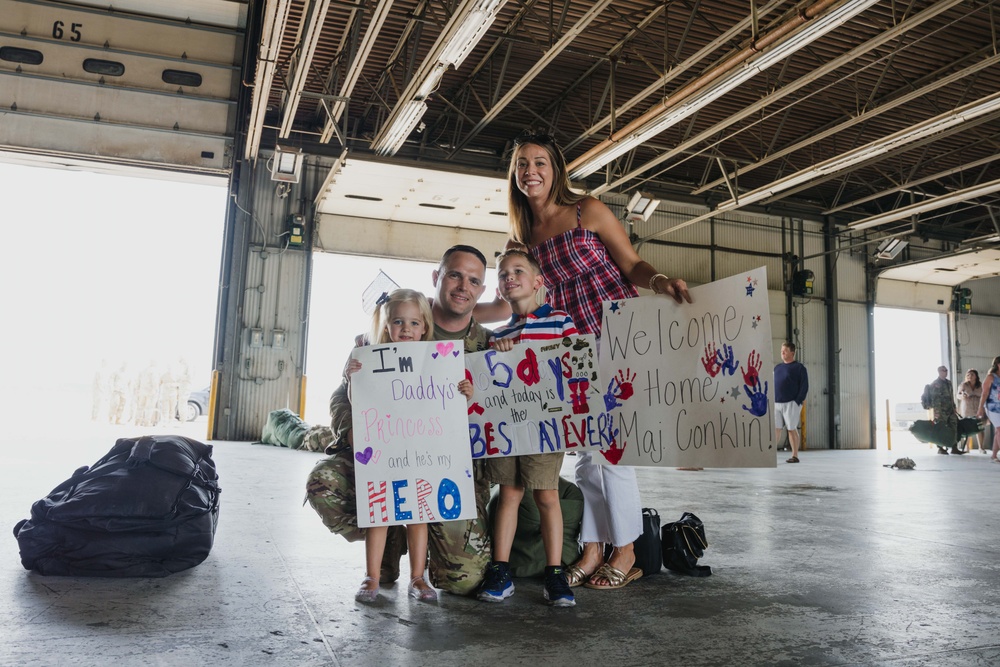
640 207
870 150
604 153
467 26
928 205
889 248
406 120
473 27
430 84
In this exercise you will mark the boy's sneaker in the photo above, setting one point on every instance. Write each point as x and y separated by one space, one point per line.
557 591
497 585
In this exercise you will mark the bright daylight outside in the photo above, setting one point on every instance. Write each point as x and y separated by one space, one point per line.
111 292
908 351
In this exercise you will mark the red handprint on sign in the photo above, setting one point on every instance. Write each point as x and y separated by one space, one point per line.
710 361
625 379
752 368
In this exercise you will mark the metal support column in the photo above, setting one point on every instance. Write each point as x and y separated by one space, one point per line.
833 332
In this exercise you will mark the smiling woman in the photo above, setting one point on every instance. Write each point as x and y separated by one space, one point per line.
115 268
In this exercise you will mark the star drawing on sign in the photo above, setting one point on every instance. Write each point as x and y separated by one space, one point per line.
614 306
753 323
735 392
749 290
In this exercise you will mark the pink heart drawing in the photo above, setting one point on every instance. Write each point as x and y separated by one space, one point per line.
364 457
376 455
444 349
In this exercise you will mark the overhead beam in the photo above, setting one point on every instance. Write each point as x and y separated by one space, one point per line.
530 75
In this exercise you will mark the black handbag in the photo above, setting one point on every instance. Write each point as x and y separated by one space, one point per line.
648 551
684 543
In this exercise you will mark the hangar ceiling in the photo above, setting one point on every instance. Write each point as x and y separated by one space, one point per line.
882 114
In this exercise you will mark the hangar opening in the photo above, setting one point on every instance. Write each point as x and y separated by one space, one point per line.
909 346
112 273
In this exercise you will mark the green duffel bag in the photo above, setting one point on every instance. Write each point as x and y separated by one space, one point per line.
527 553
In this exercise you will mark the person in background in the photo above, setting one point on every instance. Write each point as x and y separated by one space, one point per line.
520 280
989 404
586 258
969 393
941 397
791 384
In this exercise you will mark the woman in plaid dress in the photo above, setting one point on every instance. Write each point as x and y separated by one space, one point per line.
586 258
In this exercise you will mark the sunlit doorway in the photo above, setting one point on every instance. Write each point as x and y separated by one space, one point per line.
909 347
103 272
336 316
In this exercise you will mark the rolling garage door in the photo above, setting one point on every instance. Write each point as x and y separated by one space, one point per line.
156 88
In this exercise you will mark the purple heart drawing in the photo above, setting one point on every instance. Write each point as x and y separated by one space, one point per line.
364 457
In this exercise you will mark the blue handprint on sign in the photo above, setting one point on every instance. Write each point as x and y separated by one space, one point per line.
727 362
758 399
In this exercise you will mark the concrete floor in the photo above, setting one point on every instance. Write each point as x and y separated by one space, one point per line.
835 561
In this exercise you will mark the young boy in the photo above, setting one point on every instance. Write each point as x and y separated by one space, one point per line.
520 279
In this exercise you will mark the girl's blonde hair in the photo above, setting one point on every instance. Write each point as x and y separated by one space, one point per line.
383 314
560 193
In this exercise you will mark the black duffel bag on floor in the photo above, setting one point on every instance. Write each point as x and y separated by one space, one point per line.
148 508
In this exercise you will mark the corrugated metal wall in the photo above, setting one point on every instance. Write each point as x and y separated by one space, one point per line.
855 387
977 342
985 297
976 337
267 371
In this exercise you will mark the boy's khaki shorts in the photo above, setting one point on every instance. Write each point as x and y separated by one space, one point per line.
533 471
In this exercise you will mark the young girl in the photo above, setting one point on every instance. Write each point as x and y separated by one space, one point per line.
403 316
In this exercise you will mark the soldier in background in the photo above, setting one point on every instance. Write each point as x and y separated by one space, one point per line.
99 390
167 398
183 378
146 390
119 390
941 399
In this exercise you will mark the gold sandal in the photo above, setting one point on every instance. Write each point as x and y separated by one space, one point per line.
616 578
575 576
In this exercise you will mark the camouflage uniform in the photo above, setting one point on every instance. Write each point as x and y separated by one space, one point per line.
942 402
459 550
119 390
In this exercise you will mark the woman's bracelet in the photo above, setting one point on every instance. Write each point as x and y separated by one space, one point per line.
652 283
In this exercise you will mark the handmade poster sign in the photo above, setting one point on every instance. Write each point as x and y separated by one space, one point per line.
541 397
692 382
412 461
